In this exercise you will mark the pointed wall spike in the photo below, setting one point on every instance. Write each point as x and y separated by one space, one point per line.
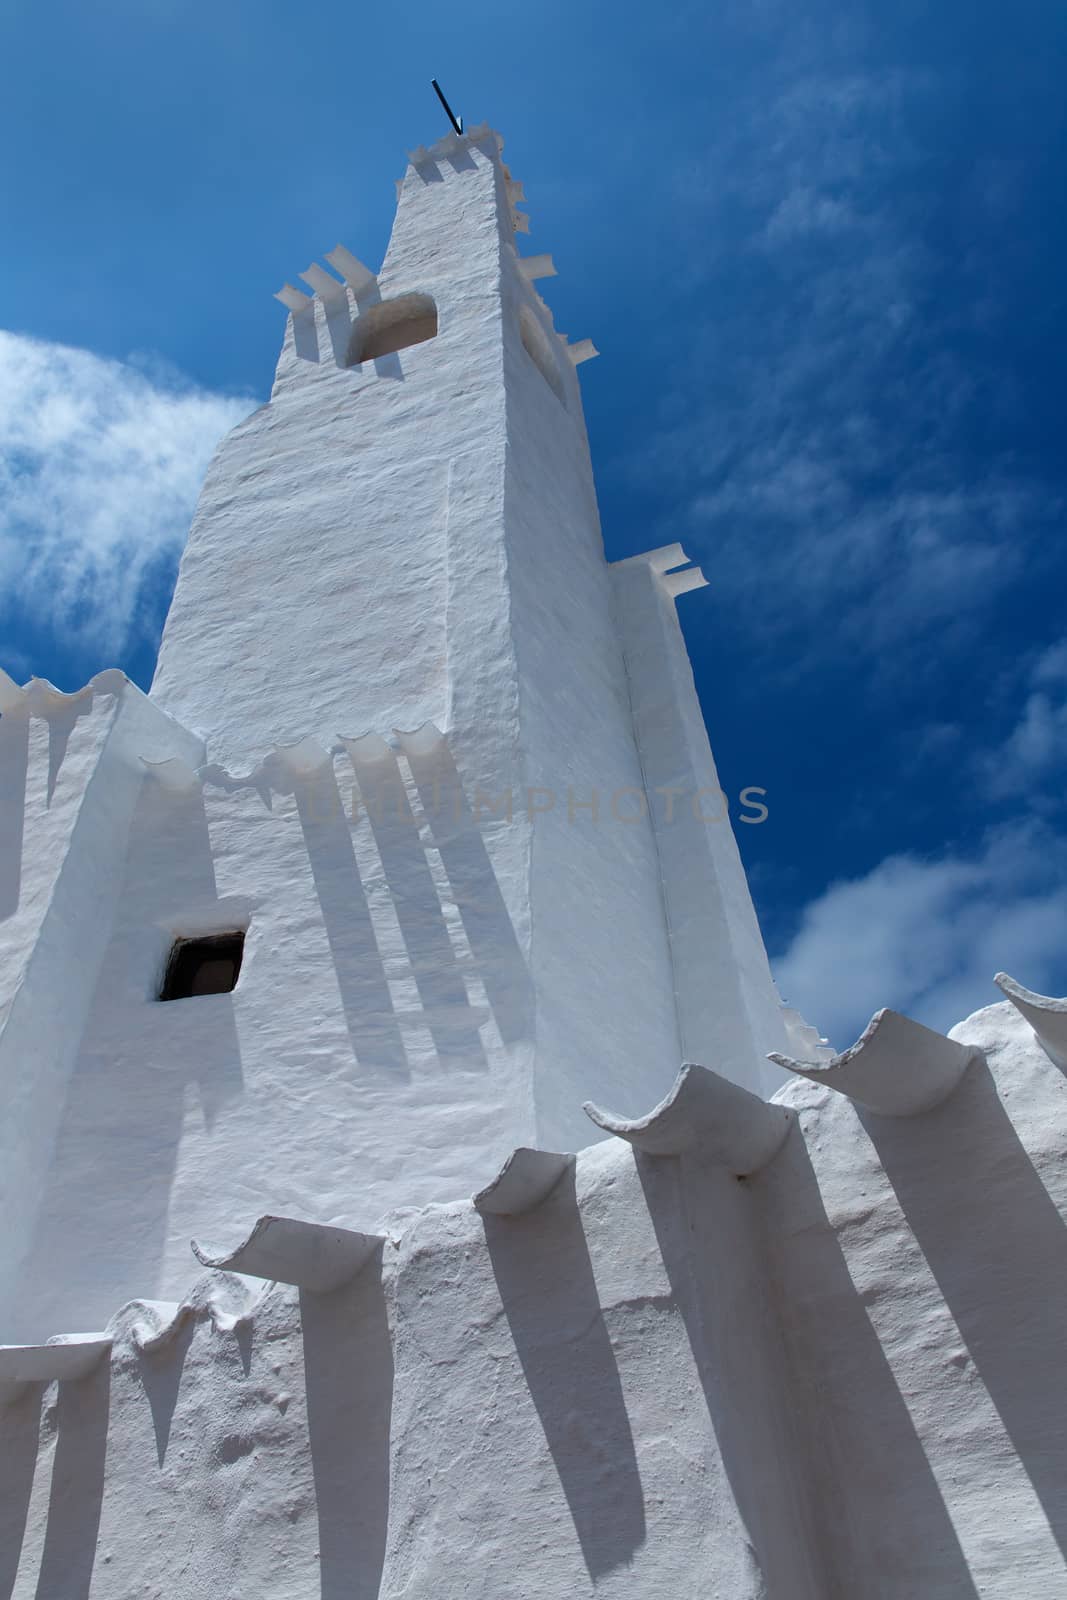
526 1178
324 283
311 1255
583 350
708 1114
677 583
521 222
59 1361
896 1067
1047 1017
358 276
533 267
292 297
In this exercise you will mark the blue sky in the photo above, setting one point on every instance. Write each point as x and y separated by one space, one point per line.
821 250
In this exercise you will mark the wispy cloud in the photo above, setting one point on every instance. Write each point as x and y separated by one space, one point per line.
1035 750
100 465
926 937
818 403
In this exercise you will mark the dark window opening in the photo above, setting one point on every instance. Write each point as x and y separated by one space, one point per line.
392 325
203 966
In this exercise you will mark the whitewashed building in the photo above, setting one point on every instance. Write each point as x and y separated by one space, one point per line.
413 858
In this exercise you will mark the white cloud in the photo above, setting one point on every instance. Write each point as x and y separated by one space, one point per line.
1035 751
100 465
925 937
815 427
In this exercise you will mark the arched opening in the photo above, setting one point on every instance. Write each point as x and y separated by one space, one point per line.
392 325
535 343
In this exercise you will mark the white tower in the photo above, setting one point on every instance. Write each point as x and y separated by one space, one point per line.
434 768
770 1351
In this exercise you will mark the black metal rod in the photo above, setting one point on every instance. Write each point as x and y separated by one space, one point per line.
457 122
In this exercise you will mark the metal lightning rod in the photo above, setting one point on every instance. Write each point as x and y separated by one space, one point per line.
457 122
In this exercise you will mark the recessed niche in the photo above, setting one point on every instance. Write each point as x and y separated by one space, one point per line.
203 966
392 325
535 343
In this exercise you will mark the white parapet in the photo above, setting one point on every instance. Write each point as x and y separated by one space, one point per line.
896 1067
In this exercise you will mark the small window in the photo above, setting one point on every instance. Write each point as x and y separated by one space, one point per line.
392 325
203 966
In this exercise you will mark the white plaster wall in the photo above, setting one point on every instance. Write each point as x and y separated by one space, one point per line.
311 594
412 1003
601 962
840 1377
729 1013
87 749
326 1083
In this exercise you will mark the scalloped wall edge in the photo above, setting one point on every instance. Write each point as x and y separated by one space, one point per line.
301 758
149 1325
40 698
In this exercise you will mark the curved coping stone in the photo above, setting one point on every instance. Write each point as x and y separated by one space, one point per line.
1046 1016
704 1111
311 1255
59 1360
896 1067
526 1178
